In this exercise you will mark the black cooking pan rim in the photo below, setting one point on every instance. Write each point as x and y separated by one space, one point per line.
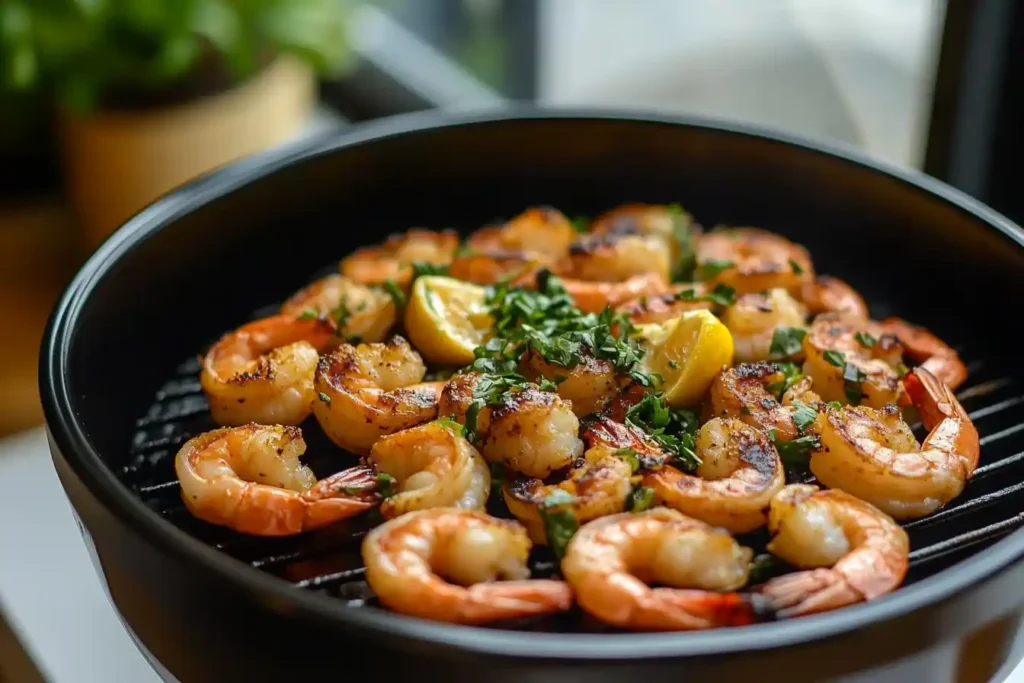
86 462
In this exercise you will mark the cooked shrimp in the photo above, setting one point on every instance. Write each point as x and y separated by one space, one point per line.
659 308
752 260
671 224
873 455
597 485
263 371
367 391
739 473
602 430
530 431
923 347
846 362
432 467
250 479
611 561
826 294
593 297
487 268
541 233
742 392
360 312
588 386
393 259
850 551
753 319
612 257
406 557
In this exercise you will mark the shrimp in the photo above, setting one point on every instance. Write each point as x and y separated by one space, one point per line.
602 430
934 355
659 308
826 294
611 561
250 479
739 473
367 391
588 386
530 431
873 455
432 467
613 257
597 485
849 550
406 557
752 260
753 319
359 312
543 234
263 371
487 268
393 259
594 297
742 392
848 364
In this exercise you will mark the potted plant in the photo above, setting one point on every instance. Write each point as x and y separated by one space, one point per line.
150 93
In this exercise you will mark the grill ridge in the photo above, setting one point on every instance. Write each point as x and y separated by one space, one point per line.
328 560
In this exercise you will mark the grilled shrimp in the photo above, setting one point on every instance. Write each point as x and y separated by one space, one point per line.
250 479
660 308
263 371
741 392
487 268
588 386
826 294
593 297
543 234
393 259
367 391
614 257
406 557
739 473
602 430
873 455
923 347
597 485
753 319
366 313
674 227
846 361
850 551
432 467
611 561
752 260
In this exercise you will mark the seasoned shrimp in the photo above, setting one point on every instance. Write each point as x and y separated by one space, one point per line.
739 473
367 391
850 551
673 226
360 312
659 308
250 479
593 297
611 561
601 430
407 557
531 431
432 467
488 268
848 364
752 260
588 386
542 234
263 371
923 347
826 294
873 455
613 257
597 485
753 319
393 259
742 392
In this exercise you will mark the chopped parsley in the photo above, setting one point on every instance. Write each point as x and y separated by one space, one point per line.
764 567
640 499
630 456
451 425
497 478
791 375
396 293
852 378
711 268
682 231
803 415
786 342
797 268
722 295
386 485
308 314
580 224
673 430
864 339
795 453
341 315
902 370
421 268
559 525
324 397
835 358
834 404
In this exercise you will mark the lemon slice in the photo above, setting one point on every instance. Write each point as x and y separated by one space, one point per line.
688 352
446 319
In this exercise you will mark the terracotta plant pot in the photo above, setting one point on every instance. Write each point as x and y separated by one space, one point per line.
117 162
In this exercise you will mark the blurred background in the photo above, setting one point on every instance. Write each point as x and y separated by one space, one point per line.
107 104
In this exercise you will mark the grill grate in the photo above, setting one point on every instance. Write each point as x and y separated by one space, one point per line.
328 561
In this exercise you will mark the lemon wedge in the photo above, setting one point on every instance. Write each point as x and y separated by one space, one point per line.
688 352
446 319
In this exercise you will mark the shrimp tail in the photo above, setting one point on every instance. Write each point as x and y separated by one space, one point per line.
951 427
715 609
808 592
340 496
504 600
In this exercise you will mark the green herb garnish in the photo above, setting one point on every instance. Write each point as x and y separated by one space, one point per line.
834 404
559 525
674 430
630 456
497 478
803 415
308 314
324 397
865 339
396 293
852 378
386 485
341 315
796 452
640 499
791 375
682 231
722 295
764 567
451 425
421 268
580 224
835 358
786 342
711 268
796 267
